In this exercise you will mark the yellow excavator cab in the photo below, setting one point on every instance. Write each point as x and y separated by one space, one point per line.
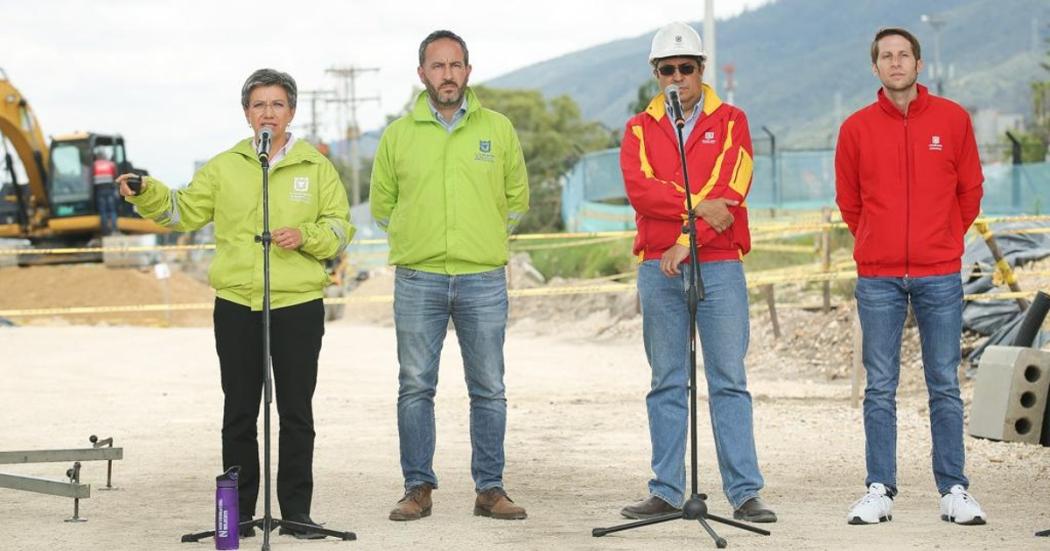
57 198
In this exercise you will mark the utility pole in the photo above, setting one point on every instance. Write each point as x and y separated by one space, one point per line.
937 23
709 43
313 96
348 101
729 69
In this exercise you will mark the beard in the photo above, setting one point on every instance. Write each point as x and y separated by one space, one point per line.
446 99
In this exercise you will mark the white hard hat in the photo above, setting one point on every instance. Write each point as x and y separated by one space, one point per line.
676 40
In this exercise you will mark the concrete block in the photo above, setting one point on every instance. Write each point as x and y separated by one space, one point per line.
118 259
11 260
1010 395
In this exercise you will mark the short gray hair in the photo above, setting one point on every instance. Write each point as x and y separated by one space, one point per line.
438 35
269 77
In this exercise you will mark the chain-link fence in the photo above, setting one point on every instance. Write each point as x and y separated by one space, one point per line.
593 198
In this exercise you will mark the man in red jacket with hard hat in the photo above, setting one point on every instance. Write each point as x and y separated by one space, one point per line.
718 155
908 183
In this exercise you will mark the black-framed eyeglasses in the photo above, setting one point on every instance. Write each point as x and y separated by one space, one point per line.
684 69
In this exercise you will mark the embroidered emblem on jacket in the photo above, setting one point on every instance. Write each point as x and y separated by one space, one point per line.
300 190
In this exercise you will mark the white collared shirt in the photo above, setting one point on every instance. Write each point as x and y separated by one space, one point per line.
279 154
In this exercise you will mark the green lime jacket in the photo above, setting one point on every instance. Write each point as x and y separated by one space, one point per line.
448 200
305 193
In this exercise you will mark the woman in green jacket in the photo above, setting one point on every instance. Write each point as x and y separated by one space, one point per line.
309 208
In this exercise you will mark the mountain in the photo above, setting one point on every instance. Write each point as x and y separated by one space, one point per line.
804 65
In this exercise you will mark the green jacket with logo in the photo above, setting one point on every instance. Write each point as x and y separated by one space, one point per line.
305 193
448 200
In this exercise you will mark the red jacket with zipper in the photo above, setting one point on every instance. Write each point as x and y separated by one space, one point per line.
908 186
719 161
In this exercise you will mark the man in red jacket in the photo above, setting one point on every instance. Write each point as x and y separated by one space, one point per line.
718 155
908 183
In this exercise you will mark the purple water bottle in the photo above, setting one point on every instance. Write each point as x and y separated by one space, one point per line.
227 515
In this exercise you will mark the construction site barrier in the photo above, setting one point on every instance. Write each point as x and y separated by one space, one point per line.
752 283
761 231
825 272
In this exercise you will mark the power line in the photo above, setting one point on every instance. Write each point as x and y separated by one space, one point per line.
347 102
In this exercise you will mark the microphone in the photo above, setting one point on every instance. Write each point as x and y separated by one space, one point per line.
265 141
671 92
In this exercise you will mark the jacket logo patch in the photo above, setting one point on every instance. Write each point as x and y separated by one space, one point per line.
709 137
300 190
935 144
484 152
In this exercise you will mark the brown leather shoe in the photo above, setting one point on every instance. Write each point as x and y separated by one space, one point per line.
649 508
755 510
415 505
494 503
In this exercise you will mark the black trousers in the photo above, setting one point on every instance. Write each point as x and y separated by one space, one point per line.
295 343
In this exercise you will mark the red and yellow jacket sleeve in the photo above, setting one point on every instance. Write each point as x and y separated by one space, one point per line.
730 177
650 196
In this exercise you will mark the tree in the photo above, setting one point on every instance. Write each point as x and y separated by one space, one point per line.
1034 142
553 137
364 173
646 92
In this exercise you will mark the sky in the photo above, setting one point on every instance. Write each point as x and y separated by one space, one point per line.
167 75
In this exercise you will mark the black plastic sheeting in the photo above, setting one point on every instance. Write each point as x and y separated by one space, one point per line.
999 319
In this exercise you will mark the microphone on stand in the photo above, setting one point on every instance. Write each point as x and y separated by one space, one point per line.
264 142
671 93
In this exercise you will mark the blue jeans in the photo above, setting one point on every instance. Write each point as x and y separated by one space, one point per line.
722 321
477 304
106 203
882 303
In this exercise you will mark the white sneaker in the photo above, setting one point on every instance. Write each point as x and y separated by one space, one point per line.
873 508
960 507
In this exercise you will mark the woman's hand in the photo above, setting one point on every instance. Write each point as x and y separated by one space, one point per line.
122 184
287 238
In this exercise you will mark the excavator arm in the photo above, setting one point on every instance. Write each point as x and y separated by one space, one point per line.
18 124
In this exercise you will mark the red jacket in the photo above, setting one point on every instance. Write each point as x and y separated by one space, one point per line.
719 157
908 187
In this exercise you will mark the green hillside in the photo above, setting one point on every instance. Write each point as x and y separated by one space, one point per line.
803 65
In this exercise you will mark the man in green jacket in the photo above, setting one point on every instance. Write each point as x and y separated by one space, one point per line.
308 206
448 186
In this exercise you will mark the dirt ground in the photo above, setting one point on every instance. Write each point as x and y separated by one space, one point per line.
577 441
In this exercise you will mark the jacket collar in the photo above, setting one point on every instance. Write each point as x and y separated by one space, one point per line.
421 110
657 108
916 106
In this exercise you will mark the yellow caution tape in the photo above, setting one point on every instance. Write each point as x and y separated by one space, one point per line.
581 243
782 248
760 231
366 299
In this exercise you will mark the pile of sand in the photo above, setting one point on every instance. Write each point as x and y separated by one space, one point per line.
69 285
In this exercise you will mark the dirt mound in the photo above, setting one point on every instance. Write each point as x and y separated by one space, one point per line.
91 285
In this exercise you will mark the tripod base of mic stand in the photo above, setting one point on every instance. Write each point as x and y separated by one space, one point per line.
274 524
694 509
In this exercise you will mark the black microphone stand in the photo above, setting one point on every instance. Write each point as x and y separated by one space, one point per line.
267 523
695 508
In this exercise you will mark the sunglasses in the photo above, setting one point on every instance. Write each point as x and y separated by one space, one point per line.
685 69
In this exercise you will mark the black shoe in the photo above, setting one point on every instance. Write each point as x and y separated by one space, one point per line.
246 530
301 533
649 508
755 510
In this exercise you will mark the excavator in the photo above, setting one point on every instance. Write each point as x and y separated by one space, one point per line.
56 205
